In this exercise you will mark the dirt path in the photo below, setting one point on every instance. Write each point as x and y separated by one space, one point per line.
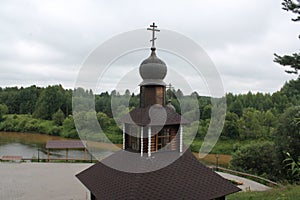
247 184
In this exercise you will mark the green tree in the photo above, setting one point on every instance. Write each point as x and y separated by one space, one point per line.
103 103
206 114
66 106
237 107
231 129
256 158
28 98
69 129
249 124
179 94
170 93
202 129
3 111
10 97
287 136
134 101
291 90
248 99
267 102
127 93
103 120
50 100
280 101
269 122
229 98
292 61
58 117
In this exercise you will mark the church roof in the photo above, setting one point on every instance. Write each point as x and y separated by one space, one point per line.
153 115
65 144
185 178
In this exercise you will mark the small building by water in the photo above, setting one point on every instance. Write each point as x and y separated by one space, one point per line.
65 145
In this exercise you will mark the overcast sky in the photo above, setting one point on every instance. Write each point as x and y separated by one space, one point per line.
45 42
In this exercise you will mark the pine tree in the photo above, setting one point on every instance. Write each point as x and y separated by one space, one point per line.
292 61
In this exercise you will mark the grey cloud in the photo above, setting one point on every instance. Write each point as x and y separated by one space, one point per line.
239 36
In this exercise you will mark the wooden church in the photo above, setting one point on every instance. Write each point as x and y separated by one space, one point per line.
154 163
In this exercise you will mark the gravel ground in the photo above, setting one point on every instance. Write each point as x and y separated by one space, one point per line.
57 181
36 181
248 185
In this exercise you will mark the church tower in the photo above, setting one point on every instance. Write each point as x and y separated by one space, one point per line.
153 70
153 126
159 168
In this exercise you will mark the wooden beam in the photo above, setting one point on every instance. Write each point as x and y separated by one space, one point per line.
48 154
67 154
142 140
124 136
180 139
84 157
149 141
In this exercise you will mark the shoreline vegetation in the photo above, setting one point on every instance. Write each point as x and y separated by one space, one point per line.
41 139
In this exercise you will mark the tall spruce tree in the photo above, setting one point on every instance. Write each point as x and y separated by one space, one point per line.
292 61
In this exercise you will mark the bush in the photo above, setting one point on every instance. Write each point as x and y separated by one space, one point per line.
58 117
3 111
25 123
256 158
56 130
68 128
287 137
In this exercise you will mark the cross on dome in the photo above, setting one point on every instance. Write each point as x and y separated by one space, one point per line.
153 29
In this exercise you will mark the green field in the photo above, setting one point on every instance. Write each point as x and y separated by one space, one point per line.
222 146
291 192
211 159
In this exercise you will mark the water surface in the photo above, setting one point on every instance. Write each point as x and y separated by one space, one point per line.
32 145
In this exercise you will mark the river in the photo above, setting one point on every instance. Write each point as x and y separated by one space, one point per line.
32 145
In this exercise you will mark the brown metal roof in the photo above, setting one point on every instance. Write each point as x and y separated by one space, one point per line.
65 144
159 116
12 158
186 178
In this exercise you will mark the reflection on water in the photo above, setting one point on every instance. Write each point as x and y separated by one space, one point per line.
29 145
17 149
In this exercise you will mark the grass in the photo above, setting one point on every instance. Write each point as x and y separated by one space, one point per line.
290 192
210 159
222 146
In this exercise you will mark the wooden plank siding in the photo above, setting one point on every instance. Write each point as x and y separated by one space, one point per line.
151 95
170 140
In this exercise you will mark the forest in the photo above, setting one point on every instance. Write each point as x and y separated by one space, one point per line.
261 130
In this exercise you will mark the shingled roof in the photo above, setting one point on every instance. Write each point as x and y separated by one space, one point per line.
185 178
153 115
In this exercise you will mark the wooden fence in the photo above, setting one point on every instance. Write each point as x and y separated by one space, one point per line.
245 175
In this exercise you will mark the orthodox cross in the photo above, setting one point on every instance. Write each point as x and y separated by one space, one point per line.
170 86
153 29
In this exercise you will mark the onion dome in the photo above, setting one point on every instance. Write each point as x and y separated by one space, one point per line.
169 105
153 70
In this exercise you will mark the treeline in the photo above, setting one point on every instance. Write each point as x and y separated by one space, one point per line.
249 116
270 122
